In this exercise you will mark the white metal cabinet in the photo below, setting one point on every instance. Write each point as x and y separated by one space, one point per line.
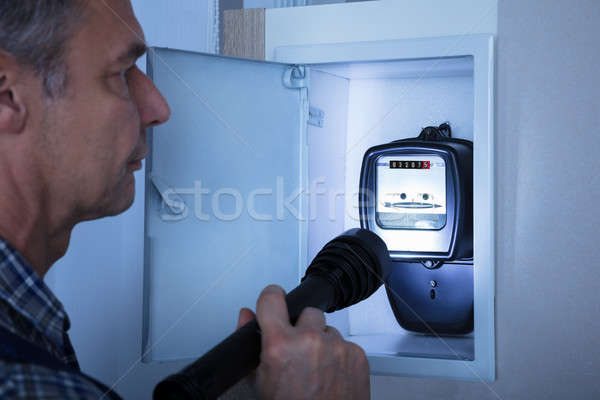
241 127
235 142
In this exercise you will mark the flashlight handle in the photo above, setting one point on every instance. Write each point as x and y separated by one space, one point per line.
239 354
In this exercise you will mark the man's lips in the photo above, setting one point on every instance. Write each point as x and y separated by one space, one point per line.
136 163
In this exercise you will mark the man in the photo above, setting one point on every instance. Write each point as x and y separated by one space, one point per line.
73 112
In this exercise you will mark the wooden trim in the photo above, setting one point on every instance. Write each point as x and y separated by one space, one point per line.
244 33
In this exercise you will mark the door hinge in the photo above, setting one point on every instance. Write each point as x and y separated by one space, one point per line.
295 77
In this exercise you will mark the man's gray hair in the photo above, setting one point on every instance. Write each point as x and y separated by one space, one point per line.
36 32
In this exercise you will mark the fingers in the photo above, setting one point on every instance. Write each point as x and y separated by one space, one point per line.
311 318
333 333
359 357
271 311
315 319
246 315
308 358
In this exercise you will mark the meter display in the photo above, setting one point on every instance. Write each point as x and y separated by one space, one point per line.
416 194
411 192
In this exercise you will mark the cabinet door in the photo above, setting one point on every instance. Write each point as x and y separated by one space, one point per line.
222 218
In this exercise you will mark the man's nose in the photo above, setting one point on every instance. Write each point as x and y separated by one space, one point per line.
152 106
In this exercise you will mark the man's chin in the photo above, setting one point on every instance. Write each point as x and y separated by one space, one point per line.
121 208
123 201
119 201
126 201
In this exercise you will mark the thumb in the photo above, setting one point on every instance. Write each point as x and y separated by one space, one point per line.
246 315
272 313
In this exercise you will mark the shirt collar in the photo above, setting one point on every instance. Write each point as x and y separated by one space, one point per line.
24 290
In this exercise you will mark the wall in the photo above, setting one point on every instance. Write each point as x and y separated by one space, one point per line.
272 3
547 191
377 20
182 24
290 3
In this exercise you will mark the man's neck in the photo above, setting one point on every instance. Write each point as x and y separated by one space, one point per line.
26 223
35 245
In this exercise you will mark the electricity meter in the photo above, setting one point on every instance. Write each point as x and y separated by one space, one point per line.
417 195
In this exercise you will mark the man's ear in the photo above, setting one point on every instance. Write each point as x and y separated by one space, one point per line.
12 109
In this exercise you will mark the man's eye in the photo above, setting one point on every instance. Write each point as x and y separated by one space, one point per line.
123 74
120 82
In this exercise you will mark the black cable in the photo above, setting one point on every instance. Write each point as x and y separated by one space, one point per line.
436 133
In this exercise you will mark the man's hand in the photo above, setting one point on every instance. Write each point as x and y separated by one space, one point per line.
306 361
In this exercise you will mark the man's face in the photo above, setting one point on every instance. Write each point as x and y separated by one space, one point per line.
93 137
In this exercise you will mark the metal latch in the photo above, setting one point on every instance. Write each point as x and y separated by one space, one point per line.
169 196
316 117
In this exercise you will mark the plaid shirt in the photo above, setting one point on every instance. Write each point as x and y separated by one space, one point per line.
29 309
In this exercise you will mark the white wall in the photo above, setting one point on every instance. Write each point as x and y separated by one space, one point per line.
181 24
99 280
377 20
273 3
547 146
289 3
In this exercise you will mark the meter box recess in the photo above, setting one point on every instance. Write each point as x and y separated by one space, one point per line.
416 194
230 203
